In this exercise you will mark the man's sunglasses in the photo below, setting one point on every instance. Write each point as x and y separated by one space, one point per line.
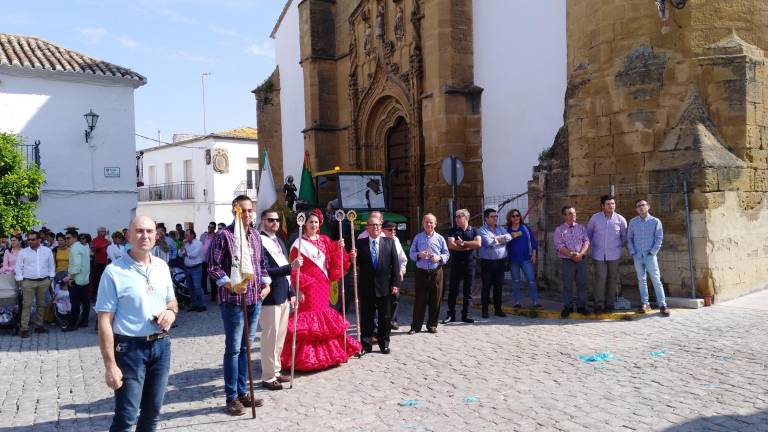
272 220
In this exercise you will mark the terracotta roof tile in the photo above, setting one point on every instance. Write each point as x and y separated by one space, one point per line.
30 52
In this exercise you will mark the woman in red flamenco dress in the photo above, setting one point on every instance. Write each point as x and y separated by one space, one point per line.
321 329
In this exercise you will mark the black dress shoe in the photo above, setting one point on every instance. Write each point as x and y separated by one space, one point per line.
467 319
566 311
384 349
283 379
500 314
485 314
393 325
412 331
448 319
432 329
367 348
272 385
41 329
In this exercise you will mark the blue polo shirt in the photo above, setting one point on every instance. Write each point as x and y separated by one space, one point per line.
135 294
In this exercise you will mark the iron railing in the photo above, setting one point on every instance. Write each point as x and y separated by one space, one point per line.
31 153
184 190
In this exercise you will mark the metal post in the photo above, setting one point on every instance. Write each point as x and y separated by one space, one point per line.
340 216
300 220
691 268
453 191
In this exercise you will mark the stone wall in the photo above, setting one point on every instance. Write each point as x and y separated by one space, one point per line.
652 104
269 125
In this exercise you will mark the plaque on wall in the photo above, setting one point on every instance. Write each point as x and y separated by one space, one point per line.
112 172
220 161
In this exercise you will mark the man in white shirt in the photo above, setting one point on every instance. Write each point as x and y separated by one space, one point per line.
193 263
35 267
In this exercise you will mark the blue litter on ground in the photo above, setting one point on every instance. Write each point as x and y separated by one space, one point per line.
595 358
470 399
409 402
658 353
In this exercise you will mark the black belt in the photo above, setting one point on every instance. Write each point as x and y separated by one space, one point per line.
150 338
37 280
428 270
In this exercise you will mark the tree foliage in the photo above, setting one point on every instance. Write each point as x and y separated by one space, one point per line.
19 187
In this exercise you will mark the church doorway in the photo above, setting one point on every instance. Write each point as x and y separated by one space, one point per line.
399 170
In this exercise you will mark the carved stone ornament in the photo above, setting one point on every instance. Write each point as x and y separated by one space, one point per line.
367 40
220 161
380 22
399 27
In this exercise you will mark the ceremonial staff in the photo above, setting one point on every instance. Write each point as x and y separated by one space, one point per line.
351 216
339 215
241 232
300 220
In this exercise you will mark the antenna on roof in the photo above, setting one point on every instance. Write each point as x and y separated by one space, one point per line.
202 80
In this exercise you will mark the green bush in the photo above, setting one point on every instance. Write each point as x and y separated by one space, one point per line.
19 187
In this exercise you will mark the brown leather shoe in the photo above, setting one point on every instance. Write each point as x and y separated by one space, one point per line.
432 329
41 329
246 401
24 334
272 385
283 379
235 408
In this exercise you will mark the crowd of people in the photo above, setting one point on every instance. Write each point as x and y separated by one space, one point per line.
253 277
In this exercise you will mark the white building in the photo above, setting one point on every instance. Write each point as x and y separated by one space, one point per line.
519 61
193 180
44 92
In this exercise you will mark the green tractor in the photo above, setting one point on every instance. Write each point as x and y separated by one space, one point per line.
362 191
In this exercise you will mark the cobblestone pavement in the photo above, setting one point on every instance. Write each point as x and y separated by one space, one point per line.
502 374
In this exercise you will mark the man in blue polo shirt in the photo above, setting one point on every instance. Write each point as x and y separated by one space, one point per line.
136 307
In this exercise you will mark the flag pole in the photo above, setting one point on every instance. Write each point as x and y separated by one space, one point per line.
300 220
339 215
351 216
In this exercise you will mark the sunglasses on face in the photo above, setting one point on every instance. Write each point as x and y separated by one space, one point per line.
515 215
272 220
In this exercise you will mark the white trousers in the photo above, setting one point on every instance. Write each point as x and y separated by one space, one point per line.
274 324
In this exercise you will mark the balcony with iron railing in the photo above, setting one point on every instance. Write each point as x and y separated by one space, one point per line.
184 190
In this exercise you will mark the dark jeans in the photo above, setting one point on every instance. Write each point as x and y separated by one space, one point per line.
492 273
429 293
381 307
81 306
574 270
462 273
98 270
395 298
194 286
235 351
204 278
145 367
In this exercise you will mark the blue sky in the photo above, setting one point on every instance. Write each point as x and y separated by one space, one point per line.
171 42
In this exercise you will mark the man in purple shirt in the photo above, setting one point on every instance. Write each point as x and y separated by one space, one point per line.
219 268
607 232
572 242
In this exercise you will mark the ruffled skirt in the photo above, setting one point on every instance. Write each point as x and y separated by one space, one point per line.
319 341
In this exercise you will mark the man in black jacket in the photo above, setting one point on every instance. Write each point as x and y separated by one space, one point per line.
275 309
379 277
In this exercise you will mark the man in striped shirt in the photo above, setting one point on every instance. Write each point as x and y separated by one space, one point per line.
219 268
644 237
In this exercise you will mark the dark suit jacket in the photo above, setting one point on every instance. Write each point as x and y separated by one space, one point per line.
280 288
377 282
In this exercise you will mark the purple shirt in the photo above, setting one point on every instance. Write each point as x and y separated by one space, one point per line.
572 237
607 236
220 265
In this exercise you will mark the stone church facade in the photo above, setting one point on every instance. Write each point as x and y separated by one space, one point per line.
655 106
389 87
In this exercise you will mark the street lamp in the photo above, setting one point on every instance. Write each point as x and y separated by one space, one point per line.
90 120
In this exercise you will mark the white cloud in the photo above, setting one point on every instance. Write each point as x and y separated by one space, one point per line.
264 49
223 30
176 17
128 42
193 58
92 34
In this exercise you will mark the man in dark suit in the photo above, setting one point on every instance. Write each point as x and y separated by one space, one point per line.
276 307
379 277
